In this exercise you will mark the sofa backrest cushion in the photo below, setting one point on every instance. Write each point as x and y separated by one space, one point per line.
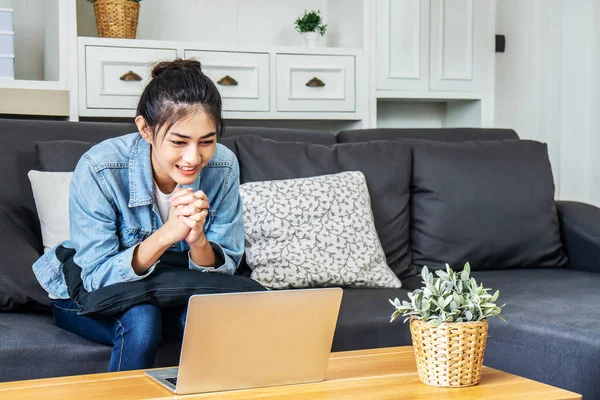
444 135
18 138
61 155
490 203
18 155
282 134
386 167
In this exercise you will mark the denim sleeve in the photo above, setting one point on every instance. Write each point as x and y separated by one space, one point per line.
226 232
93 230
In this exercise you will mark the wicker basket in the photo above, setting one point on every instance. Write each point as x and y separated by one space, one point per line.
117 18
450 355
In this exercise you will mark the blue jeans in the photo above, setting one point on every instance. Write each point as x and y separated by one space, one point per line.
134 335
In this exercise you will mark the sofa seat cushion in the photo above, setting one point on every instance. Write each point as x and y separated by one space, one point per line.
34 339
552 333
31 339
364 320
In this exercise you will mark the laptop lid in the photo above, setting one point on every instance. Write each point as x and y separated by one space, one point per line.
257 339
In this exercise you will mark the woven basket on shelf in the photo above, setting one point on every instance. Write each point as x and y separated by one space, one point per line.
450 355
117 18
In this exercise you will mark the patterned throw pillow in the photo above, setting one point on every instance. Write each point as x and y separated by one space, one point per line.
313 232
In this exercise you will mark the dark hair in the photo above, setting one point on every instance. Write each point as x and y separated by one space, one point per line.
177 89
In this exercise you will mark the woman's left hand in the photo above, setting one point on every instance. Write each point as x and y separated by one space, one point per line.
192 210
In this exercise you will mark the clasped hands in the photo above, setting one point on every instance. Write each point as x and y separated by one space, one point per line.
187 216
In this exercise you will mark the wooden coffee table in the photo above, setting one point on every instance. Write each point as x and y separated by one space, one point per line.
363 374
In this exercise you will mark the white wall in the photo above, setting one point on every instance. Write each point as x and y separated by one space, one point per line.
576 107
594 149
547 86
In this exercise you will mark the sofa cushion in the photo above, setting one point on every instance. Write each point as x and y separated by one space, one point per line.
552 333
313 232
444 135
20 247
17 150
490 203
32 347
60 155
364 320
385 165
34 340
281 134
51 194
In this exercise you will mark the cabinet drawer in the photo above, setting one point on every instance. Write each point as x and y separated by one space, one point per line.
242 78
105 69
315 83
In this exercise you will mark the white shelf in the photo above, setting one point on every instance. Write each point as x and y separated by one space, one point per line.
33 98
29 84
90 112
399 95
183 45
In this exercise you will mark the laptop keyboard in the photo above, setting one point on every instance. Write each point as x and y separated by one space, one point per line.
172 381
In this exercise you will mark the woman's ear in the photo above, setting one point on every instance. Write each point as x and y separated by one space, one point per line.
143 128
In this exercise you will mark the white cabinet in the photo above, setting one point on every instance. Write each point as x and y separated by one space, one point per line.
315 83
242 78
270 83
433 45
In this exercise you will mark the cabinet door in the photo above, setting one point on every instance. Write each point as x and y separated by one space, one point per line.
402 44
242 78
460 34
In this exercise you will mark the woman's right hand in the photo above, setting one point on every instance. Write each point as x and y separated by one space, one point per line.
174 230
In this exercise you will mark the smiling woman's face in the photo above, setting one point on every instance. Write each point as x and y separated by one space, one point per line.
187 147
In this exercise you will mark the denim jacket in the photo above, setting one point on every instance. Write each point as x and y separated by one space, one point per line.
112 209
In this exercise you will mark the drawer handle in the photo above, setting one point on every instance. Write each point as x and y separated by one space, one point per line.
130 76
227 81
315 82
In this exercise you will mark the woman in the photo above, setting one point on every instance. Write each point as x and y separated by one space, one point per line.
169 187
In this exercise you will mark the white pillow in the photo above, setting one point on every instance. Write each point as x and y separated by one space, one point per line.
51 195
312 232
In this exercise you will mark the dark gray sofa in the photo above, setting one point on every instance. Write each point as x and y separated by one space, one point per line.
553 329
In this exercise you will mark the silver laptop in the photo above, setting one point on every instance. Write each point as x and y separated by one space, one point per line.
254 339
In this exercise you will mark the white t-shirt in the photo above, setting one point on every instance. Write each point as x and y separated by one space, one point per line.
162 202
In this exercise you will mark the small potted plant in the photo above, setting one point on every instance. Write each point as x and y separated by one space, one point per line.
311 26
448 325
117 18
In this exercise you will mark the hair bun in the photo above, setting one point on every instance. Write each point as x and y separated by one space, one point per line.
178 64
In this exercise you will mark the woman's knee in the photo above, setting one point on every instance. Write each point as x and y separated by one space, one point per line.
141 327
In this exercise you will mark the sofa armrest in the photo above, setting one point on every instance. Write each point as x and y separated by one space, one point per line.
20 247
580 231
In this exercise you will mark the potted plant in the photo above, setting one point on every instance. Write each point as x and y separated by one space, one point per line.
448 325
310 25
117 18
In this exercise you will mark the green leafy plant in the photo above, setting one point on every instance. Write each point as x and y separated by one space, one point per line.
449 297
311 21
